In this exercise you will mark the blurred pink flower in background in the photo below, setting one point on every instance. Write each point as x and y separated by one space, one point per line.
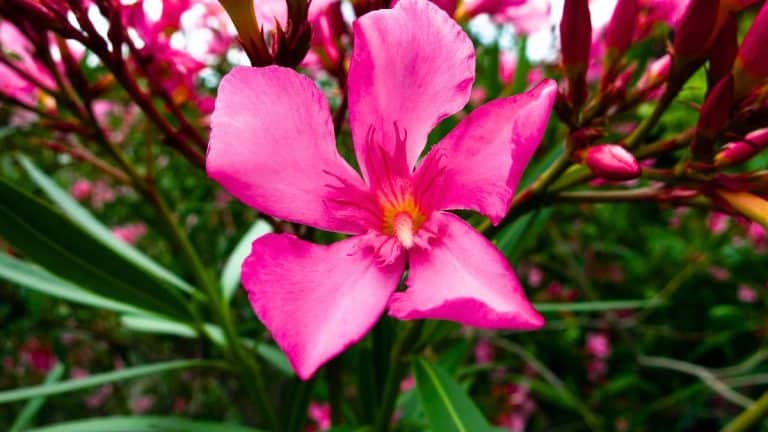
718 222
320 414
483 351
747 294
99 397
37 356
101 194
81 189
598 344
130 233
141 403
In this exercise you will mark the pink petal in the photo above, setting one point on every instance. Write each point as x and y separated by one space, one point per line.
316 300
272 146
463 278
411 66
483 158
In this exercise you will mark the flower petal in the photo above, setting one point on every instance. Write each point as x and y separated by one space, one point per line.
272 146
481 160
411 66
462 277
316 300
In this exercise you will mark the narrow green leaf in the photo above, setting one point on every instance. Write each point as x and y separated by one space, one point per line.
99 379
143 424
159 325
275 357
230 275
36 278
511 240
65 249
32 407
85 220
597 306
447 406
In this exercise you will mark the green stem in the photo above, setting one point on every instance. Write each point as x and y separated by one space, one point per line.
404 346
756 412
670 93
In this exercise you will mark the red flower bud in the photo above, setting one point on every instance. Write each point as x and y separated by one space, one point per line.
575 41
752 61
692 36
739 151
612 162
714 116
724 50
621 28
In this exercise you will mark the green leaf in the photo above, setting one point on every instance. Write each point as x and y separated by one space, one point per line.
143 424
597 306
65 249
158 325
32 407
83 218
36 278
99 379
511 239
275 357
230 275
447 406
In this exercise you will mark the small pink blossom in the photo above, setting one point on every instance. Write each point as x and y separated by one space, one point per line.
718 222
598 345
535 276
597 368
101 194
130 233
79 373
483 351
141 404
719 273
747 294
38 356
320 413
81 189
99 397
272 146
407 383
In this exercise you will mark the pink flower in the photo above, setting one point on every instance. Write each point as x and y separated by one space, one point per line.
407 383
272 146
142 403
81 189
483 351
101 193
718 222
747 294
38 356
99 397
535 276
320 413
598 345
130 233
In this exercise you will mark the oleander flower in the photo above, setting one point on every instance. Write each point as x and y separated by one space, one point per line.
273 147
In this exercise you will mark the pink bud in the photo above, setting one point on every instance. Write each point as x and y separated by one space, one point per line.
714 116
696 28
575 41
80 189
723 51
752 54
621 28
656 73
612 162
739 151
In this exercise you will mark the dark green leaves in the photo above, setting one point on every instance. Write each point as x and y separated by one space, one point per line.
67 250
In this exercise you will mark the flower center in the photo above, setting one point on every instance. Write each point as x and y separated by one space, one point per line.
402 219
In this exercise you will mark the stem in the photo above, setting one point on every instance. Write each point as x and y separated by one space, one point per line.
404 345
640 194
757 411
